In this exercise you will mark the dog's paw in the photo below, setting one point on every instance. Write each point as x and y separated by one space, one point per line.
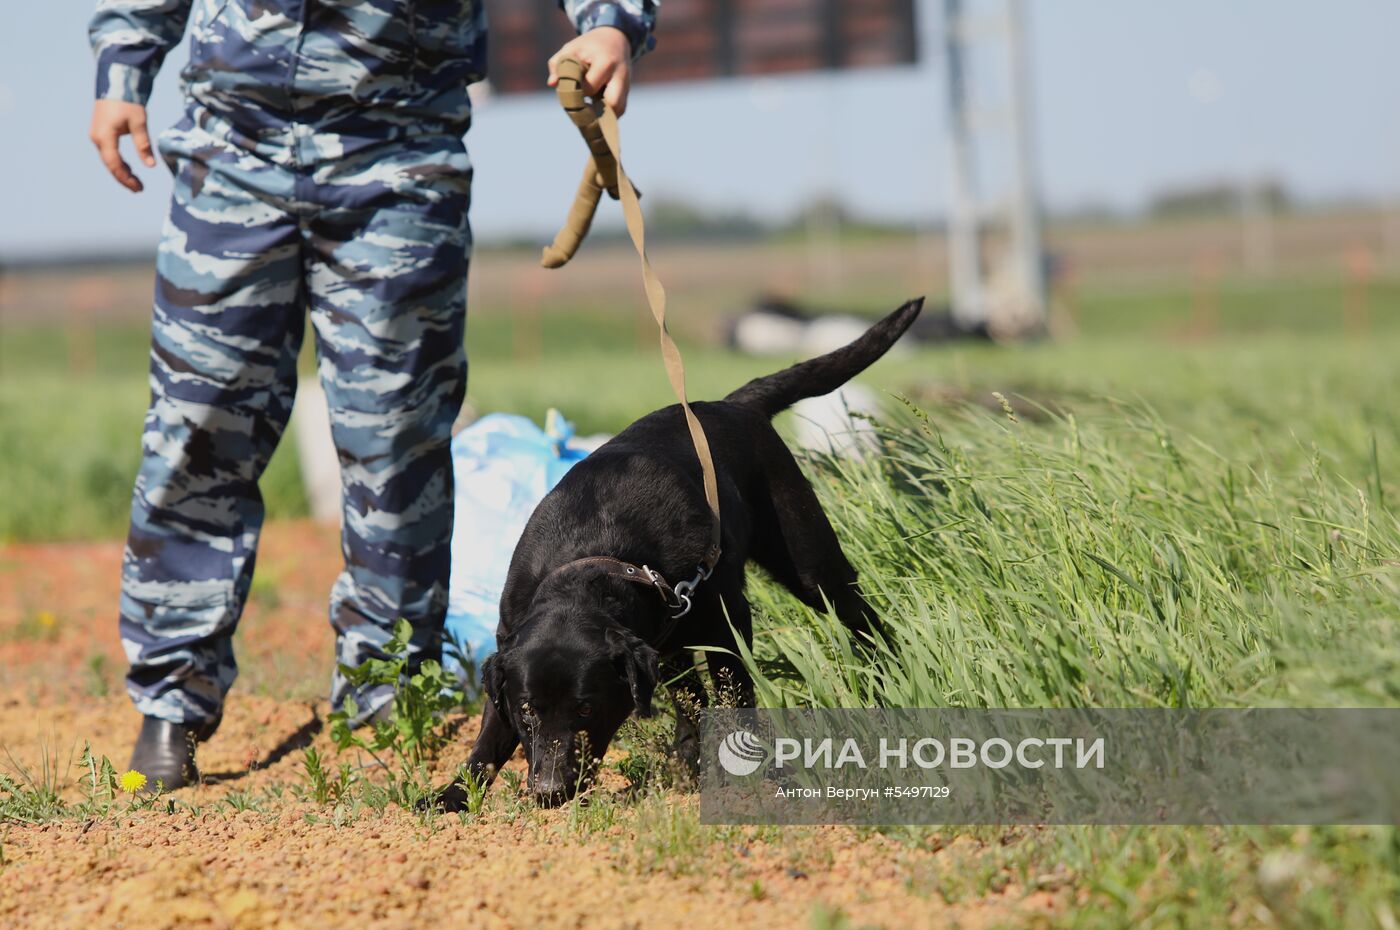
686 749
450 799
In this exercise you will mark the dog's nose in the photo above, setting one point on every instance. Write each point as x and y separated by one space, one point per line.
551 798
550 792
553 779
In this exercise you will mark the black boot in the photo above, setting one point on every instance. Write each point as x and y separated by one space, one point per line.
164 752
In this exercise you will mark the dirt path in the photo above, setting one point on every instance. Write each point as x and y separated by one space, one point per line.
58 605
254 870
247 850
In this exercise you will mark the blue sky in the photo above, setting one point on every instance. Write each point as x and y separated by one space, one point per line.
1130 96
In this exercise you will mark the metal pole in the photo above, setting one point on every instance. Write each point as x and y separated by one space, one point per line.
965 263
1390 235
1256 227
1026 241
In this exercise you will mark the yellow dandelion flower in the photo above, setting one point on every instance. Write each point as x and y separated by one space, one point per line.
132 781
46 619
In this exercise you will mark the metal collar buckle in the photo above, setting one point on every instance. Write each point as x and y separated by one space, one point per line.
678 598
684 589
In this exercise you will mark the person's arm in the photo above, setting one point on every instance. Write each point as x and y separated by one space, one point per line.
635 19
130 39
612 35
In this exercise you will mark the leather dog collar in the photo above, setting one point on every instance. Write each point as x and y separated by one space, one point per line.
620 569
677 597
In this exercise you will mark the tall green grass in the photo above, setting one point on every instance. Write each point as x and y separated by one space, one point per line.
1100 559
1107 557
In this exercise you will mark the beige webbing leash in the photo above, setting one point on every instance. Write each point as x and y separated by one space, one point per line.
605 172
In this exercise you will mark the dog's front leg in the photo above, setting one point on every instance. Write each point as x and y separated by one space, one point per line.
494 744
732 682
689 696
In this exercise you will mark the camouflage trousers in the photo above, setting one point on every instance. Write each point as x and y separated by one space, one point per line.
375 246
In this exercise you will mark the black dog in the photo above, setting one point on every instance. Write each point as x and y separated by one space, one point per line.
585 632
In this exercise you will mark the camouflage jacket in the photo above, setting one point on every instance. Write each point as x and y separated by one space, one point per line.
266 62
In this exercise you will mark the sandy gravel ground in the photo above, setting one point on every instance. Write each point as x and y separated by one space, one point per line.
247 850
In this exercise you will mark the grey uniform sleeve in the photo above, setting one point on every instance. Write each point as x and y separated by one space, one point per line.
636 18
130 39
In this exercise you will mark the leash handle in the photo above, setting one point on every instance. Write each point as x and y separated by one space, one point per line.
605 172
599 174
585 116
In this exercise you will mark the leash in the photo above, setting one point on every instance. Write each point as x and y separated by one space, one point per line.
605 172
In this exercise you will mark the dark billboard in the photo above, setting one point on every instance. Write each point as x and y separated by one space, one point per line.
703 39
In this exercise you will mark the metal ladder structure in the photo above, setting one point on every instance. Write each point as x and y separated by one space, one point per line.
1007 295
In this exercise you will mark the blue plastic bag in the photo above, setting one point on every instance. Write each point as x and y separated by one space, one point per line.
503 466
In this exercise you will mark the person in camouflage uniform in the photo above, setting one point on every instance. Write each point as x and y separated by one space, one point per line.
319 167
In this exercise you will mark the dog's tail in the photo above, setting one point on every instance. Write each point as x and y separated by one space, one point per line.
825 373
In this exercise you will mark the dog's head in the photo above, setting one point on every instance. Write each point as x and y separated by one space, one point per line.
566 688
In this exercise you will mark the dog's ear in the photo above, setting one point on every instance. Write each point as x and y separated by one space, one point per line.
493 681
639 665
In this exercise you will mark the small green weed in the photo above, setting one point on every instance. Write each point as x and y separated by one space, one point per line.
98 684
412 733
29 796
402 741
323 786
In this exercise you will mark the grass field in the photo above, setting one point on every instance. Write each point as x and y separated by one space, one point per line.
1150 514
1276 356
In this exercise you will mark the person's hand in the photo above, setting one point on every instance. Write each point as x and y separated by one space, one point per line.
607 55
112 119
